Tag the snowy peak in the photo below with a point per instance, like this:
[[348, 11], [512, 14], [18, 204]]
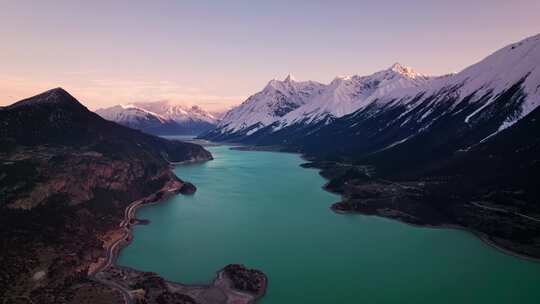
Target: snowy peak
[[398, 71], [289, 78], [177, 112], [345, 95], [289, 101], [160, 117], [286, 85], [130, 115], [405, 71], [278, 98]]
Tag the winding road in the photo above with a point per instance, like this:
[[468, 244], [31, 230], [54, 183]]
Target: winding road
[[112, 249], [110, 255]]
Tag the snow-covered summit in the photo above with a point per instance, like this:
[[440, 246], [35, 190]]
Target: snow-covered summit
[[406, 71], [288, 101], [161, 117], [177, 112], [345, 95], [130, 115], [505, 84], [278, 98]]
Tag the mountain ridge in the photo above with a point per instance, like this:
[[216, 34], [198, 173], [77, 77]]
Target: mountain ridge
[[161, 118], [477, 86]]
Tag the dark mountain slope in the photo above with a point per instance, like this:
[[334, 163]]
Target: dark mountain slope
[[66, 177], [436, 137], [491, 188], [508, 164], [56, 118]]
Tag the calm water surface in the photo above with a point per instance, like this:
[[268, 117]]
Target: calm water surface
[[263, 210]]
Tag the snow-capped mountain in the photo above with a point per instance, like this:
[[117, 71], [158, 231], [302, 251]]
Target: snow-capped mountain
[[389, 108], [267, 106], [137, 118], [345, 95], [428, 123], [177, 112], [288, 102], [169, 118]]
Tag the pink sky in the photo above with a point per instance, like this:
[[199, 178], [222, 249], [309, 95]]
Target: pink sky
[[215, 54]]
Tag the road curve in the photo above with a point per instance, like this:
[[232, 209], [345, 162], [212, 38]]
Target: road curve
[[110, 255]]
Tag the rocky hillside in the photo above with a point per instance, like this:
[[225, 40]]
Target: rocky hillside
[[66, 176]]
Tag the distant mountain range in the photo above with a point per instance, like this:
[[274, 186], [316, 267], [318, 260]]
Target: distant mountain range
[[464, 147], [286, 103], [161, 118]]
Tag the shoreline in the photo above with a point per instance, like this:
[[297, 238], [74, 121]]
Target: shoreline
[[480, 235], [221, 280], [115, 246]]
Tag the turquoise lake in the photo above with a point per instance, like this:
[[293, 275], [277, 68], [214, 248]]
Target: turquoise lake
[[263, 210]]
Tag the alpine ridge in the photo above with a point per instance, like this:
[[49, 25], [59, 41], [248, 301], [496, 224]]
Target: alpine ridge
[[161, 118], [289, 102], [277, 99], [501, 89]]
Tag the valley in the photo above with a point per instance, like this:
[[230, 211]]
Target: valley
[[247, 210]]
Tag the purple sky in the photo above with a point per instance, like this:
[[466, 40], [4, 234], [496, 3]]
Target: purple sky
[[217, 53]]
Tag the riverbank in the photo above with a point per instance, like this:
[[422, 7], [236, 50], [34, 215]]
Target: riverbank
[[222, 290]]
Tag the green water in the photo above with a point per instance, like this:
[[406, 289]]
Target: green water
[[263, 210]]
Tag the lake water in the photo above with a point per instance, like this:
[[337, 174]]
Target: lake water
[[262, 210]]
